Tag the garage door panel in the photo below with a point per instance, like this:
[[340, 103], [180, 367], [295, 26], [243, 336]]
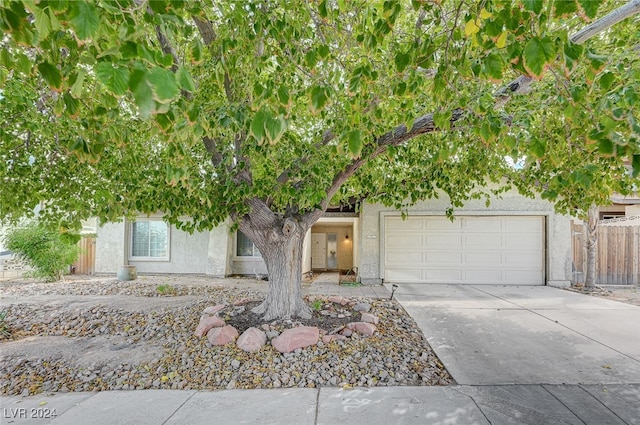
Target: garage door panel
[[404, 275], [401, 240], [524, 277], [476, 250], [398, 224], [481, 226], [440, 224], [482, 276], [493, 241], [404, 257], [522, 225], [523, 242], [474, 258], [444, 241], [443, 275], [443, 258], [528, 260]]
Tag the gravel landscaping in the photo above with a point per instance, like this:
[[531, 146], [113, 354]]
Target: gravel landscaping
[[101, 334]]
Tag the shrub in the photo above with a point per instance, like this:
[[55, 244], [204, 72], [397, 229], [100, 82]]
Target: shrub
[[47, 251], [5, 332]]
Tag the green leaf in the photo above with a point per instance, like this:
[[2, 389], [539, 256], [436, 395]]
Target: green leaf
[[537, 53], [318, 98], [534, 6], [354, 139], [185, 80], [115, 78], [590, 7], [275, 128], [493, 66], [163, 83], [564, 8], [442, 119], [538, 147], [76, 88], [42, 22], [196, 53], [142, 92], [572, 52], [51, 75], [84, 19], [258, 125], [283, 95], [597, 62], [71, 104], [635, 165], [323, 51], [311, 58], [583, 179], [605, 147], [606, 80], [322, 9], [402, 60]]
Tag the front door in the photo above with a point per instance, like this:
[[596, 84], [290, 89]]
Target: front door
[[319, 251]]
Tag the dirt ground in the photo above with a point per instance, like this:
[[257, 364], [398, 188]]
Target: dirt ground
[[627, 294]]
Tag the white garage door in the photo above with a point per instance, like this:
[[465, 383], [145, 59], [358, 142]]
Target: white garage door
[[474, 250]]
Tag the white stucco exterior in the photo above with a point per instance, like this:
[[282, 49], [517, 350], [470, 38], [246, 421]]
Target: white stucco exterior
[[557, 227], [214, 253], [187, 252]]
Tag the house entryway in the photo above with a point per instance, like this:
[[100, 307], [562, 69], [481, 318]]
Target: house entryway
[[332, 246]]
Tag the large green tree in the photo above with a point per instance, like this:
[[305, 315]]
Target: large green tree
[[269, 111]]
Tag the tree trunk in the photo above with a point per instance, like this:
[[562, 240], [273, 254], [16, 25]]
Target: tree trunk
[[282, 251], [591, 241]]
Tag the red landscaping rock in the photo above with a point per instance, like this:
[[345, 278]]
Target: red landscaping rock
[[206, 323], [252, 340], [338, 300], [330, 338], [369, 318], [223, 335], [346, 332], [242, 301], [363, 328], [292, 339], [213, 310]]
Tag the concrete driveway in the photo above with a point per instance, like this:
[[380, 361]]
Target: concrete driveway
[[493, 335]]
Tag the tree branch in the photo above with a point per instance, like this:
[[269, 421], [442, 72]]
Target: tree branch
[[521, 84], [607, 21], [395, 137], [425, 123], [327, 137], [166, 47], [206, 30]]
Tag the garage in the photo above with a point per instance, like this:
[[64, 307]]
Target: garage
[[470, 250]]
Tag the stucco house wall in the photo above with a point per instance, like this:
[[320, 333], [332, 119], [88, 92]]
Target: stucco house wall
[[558, 231], [188, 253], [110, 248], [214, 253]]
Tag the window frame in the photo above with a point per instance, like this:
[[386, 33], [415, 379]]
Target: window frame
[[164, 258], [255, 253]]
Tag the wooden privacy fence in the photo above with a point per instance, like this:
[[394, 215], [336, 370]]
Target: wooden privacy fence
[[617, 254], [85, 264]]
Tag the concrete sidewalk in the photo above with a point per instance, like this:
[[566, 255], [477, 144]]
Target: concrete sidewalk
[[515, 404], [496, 335]]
